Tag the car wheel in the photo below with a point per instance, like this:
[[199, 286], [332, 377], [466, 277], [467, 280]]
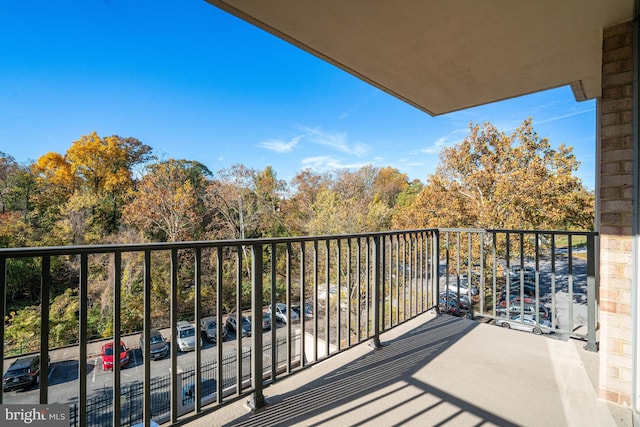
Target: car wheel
[[537, 331], [506, 325]]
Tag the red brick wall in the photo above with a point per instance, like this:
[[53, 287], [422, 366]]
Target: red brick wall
[[616, 213]]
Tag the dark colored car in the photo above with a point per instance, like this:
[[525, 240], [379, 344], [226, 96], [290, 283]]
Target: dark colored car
[[308, 310], [209, 329], [514, 292], [245, 326], [22, 373], [266, 321], [158, 347]]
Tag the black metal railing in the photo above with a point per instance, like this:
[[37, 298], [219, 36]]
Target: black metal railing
[[348, 289]]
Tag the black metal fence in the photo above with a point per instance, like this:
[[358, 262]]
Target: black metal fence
[[100, 405], [354, 287]]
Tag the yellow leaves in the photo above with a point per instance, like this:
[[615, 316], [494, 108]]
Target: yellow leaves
[[493, 180]]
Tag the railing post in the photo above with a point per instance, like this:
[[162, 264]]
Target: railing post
[[591, 345], [375, 340], [256, 327], [436, 267]]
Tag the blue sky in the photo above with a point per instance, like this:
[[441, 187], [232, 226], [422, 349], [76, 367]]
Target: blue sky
[[196, 83]]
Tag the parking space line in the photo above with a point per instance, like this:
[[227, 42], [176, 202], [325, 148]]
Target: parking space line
[[95, 368]]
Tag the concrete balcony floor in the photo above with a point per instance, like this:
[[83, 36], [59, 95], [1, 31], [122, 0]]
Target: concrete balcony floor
[[439, 371]]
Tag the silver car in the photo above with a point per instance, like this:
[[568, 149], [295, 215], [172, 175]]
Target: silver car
[[526, 323], [186, 333]]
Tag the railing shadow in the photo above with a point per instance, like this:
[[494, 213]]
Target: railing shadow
[[392, 368]]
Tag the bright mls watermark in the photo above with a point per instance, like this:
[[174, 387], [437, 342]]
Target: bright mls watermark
[[53, 415]]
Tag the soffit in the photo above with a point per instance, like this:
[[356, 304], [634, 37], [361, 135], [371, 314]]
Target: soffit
[[443, 56]]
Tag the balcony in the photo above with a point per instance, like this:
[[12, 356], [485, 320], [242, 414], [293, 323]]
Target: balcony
[[384, 289]]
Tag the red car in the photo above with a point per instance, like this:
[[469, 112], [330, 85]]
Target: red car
[[107, 355]]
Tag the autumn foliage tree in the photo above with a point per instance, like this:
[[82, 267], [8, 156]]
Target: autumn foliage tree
[[166, 204], [495, 180], [85, 188]]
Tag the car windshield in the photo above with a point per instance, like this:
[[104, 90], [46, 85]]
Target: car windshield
[[245, 322], [185, 333], [156, 339], [108, 351], [211, 325], [17, 371]]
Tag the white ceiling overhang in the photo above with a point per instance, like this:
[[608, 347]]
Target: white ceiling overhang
[[443, 56]]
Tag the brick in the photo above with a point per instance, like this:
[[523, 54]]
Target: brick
[[612, 68], [610, 218], [617, 79], [623, 28], [627, 167], [616, 105], [611, 118], [609, 306], [615, 230], [616, 206], [625, 400], [611, 193], [626, 117], [609, 395], [628, 193], [614, 92], [610, 295], [611, 168], [616, 180], [614, 42], [617, 54], [615, 143], [617, 155]]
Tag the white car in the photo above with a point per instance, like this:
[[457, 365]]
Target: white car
[[452, 286], [526, 323], [281, 313], [186, 333]]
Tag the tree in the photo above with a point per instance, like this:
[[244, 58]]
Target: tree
[[83, 191], [231, 202], [297, 209], [166, 202], [269, 190], [495, 180]]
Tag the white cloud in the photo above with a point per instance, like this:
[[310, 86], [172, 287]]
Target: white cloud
[[564, 116], [280, 146], [436, 146], [328, 163], [337, 140]]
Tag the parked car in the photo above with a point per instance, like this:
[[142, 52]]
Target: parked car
[[528, 272], [449, 305], [22, 373], [281, 313], [462, 302], [245, 326], [528, 306], [526, 323], [108, 351], [158, 346], [209, 329], [266, 321], [514, 292], [308, 310], [464, 287], [186, 333]]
